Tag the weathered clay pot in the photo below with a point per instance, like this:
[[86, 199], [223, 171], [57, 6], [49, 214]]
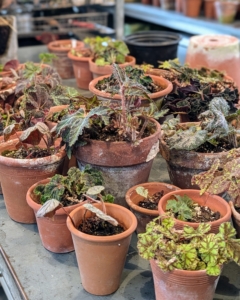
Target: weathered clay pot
[[209, 9], [235, 218], [81, 70], [183, 164], [226, 11], [107, 70], [182, 284], [191, 8], [160, 81], [143, 215], [214, 202], [122, 164], [63, 64], [101, 258], [53, 232], [17, 175]]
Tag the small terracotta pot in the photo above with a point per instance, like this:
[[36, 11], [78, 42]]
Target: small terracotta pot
[[122, 164], [182, 284], [63, 64], [143, 215], [107, 70], [235, 218], [53, 232], [191, 8], [81, 70], [101, 258], [226, 11], [17, 175], [160, 81], [214, 202], [209, 9]]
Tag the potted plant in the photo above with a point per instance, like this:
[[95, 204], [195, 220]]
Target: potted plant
[[80, 61], [223, 179], [5, 69], [52, 199], [107, 87], [191, 148], [101, 255], [61, 62], [191, 207], [143, 201], [107, 51], [186, 263], [120, 141], [32, 156]]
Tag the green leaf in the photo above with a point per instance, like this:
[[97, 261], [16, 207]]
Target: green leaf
[[142, 191], [208, 248]]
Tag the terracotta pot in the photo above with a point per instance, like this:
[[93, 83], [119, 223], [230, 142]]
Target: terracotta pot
[[143, 215], [214, 202], [107, 70], [101, 258], [191, 8], [81, 70], [178, 5], [156, 3], [183, 164], [122, 165], [167, 4], [63, 64], [219, 52], [160, 81], [182, 284], [226, 11], [235, 218], [209, 9], [53, 232], [17, 175]]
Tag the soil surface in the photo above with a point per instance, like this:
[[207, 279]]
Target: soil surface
[[99, 227], [152, 201], [209, 148], [29, 153]]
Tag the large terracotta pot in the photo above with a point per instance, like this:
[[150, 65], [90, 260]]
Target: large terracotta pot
[[63, 64], [107, 70], [214, 202], [160, 81], [101, 258], [183, 164], [53, 232], [182, 284], [143, 215], [81, 70], [122, 164], [17, 175]]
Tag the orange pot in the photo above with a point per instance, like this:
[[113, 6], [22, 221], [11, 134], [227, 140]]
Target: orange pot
[[107, 70], [160, 81], [191, 8], [182, 284], [101, 258], [81, 70], [53, 232], [63, 64], [209, 9], [214, 202], [143, 215], [17, 175]]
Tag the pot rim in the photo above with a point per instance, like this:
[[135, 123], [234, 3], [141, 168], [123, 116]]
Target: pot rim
[[76, 58], [52, 46]]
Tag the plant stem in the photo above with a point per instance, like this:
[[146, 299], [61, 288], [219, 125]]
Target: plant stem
[[143, 128]]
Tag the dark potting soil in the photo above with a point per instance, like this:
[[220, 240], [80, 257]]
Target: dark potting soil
[[99, 227], [27, 153], [209, 148], [152, 201]]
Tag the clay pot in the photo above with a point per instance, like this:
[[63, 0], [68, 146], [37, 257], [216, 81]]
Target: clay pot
[[219, 52], [167, 4], [191, 8], [209, 9], [81, 70], [53, 232], [63, 64], [182, 284], [183, 164], [160, 81], [235, 218], [143, 215], [17, 175], [122, 164], [226, 11], [214, 202], [178, 5], [107, 70], [101, 258]]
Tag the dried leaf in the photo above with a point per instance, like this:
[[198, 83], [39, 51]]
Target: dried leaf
[[49, 208], [100, 214]]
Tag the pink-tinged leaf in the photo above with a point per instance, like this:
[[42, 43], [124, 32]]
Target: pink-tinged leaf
[[10, 130], [31, 136], [49, 209], [234, 190], [232, 168], [12, 64], [219, 185], [41, 127], [205, 179], [8, 107]]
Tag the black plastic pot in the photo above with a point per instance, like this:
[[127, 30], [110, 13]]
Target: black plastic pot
[[153, 46]]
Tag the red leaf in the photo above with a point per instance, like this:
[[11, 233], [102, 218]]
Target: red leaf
[[11, 64]]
